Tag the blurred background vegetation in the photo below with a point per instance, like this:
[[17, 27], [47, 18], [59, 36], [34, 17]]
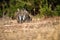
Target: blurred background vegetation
[[40, 8]]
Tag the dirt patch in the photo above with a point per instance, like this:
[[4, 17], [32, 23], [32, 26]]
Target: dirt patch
[[37, 29]]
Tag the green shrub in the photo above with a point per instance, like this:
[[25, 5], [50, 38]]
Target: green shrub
[[58, 10], [1, 14], [47, 12]]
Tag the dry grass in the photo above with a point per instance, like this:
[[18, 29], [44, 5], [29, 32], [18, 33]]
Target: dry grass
[[47, 29]]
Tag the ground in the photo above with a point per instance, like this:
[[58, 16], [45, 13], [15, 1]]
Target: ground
[[37, 29]]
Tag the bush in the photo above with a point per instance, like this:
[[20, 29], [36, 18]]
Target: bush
[[58, 10], [47, 12], [1, 14]]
